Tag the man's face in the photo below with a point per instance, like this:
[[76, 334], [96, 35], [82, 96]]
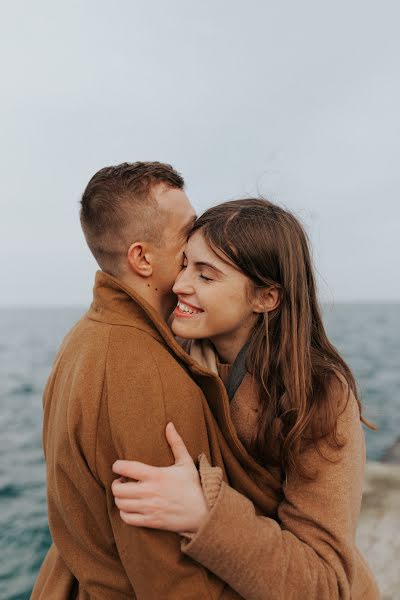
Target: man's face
[[179, 218]]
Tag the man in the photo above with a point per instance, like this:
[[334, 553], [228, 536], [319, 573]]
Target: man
[[117, 380]]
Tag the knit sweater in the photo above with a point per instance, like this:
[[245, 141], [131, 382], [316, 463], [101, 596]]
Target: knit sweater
[[308, 551]]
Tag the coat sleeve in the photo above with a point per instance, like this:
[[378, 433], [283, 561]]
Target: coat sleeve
[[309, 551], [54, 575], [139, 407]]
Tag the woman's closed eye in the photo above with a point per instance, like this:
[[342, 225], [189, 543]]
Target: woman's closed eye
[[184, 265]]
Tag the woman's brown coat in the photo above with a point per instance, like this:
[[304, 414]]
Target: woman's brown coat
[[308, 551]]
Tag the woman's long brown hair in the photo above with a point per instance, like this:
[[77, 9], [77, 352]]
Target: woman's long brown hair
[[290, 356]]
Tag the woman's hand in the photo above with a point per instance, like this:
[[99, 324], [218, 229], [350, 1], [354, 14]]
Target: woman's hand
[[168, 498]]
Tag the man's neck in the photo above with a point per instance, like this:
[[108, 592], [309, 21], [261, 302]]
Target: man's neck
[[148, 291]]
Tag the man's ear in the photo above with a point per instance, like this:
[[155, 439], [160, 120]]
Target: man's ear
[[266, 299], [140, 259]]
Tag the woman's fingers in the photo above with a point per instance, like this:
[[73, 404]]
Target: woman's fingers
[[130, 489], [131, 506], [134, 469], [139, 520]]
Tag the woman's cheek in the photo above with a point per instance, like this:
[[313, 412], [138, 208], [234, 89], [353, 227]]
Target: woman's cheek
[[221, 320]]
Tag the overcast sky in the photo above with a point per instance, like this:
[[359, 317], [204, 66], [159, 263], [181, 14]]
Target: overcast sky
[[297, 100]]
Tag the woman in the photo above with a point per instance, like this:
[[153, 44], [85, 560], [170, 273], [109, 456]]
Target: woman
[[248, 309]]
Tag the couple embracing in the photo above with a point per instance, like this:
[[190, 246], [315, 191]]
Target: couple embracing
[[203, 438]]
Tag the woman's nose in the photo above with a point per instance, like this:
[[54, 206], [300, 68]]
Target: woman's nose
[[183, 283]]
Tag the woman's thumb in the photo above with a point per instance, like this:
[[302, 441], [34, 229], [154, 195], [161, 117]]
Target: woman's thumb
[[177, 444]]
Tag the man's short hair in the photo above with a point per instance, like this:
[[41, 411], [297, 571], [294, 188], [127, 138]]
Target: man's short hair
[[118, 208]]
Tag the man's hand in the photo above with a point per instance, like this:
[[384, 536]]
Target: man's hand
[[169, 498]]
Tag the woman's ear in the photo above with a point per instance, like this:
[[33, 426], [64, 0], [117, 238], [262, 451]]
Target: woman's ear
[[139, 259], [266, 299]]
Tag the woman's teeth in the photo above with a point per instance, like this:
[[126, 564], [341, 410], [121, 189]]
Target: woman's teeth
[[186, 309]]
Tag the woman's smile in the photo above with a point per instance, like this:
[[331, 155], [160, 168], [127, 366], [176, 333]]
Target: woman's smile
[[184, 309]]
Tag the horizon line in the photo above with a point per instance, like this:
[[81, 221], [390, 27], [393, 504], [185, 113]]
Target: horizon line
[[86, 306]]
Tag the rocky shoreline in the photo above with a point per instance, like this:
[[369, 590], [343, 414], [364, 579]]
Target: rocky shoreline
[[378, 535]]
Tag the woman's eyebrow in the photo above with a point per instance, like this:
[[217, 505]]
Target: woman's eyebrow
[[203, 263]]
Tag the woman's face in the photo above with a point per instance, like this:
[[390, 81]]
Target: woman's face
[[213, 297]]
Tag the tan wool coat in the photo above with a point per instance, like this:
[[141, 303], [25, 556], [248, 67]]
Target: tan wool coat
[[309, 551], [119, 377]]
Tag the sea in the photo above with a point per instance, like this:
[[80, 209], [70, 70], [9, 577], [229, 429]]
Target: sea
[[367, 335]]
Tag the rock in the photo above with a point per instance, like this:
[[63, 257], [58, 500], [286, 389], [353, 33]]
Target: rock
[[378, 533]]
